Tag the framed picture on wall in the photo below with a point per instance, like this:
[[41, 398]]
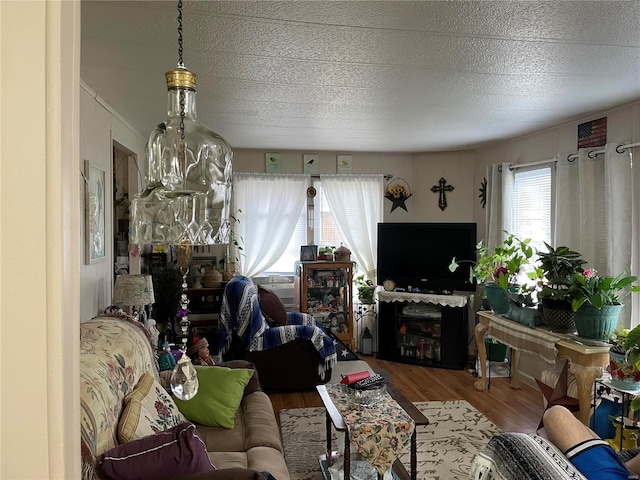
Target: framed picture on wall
[[308, 253], [94, 178]]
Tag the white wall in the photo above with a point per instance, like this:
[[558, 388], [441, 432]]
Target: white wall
[[39, 240], [420, 171], [99, 128]]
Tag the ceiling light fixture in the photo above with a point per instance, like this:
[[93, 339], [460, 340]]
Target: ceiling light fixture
[[188, 173]]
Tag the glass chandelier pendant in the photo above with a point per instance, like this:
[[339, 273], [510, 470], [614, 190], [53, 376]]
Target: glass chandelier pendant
[[188, 173], [184, 378]]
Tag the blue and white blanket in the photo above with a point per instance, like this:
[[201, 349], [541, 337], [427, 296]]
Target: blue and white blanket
[[241, 313]]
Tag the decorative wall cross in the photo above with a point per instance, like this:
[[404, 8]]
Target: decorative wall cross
[[442, 188]]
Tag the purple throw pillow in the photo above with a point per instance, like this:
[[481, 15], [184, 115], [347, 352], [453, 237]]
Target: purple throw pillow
[[164, 455]]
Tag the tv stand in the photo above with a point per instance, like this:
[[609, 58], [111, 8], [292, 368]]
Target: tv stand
[[423, 329]]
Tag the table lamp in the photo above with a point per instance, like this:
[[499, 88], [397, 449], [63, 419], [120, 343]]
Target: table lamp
[[135, 291]]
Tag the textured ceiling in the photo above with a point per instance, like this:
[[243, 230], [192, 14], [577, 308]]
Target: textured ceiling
[[367, 75]]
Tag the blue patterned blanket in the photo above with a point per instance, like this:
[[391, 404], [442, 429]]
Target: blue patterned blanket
[[241, 313]]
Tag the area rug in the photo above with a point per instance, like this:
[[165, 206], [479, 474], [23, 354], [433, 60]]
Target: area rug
[[344, 352], [445, 447]]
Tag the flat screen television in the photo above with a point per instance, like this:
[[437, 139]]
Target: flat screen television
[[419, 254]]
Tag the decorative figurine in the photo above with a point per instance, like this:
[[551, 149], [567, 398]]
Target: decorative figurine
[[166, 360], [199, 353]]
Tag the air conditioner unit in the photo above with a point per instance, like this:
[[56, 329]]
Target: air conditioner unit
[[283, 287]]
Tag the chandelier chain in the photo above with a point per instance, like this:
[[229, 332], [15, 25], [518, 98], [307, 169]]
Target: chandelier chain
[[180, 65], [180, 60]]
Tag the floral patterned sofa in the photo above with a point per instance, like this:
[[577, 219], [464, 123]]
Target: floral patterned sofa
[[116, 363]]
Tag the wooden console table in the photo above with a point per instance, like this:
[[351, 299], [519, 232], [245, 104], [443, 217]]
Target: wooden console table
[[587, 362]]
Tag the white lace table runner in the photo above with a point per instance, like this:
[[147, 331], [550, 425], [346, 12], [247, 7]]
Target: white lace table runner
[[445, 300]]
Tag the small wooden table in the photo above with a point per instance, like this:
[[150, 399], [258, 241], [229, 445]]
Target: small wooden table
[[587, 362], [334, 418]]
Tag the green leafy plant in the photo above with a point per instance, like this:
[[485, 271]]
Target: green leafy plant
[[587, 288], [236, 243], [627, 342], [554, 270], [500, 265], [366, 289]]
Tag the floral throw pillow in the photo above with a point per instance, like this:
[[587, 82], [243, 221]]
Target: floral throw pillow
[[148, 409]]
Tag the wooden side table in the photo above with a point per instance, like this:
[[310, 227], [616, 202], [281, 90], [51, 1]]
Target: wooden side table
[[334, 418]]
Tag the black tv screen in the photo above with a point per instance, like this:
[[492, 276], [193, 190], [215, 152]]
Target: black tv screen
[[419, 254]]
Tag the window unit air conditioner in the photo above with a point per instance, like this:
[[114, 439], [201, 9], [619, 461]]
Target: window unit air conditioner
[[282, 286]]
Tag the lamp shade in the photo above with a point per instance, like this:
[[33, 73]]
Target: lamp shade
[[133, 290]]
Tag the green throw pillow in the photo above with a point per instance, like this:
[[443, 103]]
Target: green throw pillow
[[218, 397]]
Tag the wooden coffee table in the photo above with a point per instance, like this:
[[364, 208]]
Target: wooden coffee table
[[334, 418]]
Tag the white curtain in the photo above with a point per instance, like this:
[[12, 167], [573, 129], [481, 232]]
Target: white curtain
[[500, 179], [356, 202], [271, 206], [594, 206]]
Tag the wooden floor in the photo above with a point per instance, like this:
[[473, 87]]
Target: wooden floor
[[511, 410]]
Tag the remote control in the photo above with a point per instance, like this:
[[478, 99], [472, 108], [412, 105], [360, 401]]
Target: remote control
[[373, 381]]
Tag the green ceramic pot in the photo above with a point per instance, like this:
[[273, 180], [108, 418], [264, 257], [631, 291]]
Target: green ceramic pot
[[497, 297], [597, 324]]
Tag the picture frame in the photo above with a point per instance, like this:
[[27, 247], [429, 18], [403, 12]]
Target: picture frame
[[344, 163], [308, 253], [197, 268], [95, 183], [311, 163], [272, 162]]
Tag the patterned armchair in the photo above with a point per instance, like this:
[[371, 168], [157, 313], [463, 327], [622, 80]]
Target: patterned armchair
[[297, 355]]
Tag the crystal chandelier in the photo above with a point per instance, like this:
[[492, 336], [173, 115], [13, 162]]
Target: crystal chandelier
[[188, 172], [187, 194]]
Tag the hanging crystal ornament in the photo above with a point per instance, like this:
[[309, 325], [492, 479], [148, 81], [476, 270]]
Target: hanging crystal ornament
[[184, 378], [188, 172]]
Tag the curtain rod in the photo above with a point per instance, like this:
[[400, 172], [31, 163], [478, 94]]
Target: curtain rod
[[593, 153]]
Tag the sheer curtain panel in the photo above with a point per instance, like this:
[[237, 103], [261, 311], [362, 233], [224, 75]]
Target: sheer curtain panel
[[356, 202], [594, 206], [500, 180], [271, 206]]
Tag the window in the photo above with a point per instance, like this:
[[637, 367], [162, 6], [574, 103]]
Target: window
[[288, 259], [532, 208], [324, 232]]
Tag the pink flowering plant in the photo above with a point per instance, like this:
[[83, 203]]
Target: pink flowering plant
[[501, 265], [587, 288]]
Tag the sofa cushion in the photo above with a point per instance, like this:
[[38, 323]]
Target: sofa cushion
[[219, 396], [164, 455], [272, 307], [255, 426], [114, 353], [254, 383], [148, 409]]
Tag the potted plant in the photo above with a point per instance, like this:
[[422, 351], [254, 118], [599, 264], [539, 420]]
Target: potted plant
[[498, 269], [596, 301], [624, 358], [553, 272], [366, 289]]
